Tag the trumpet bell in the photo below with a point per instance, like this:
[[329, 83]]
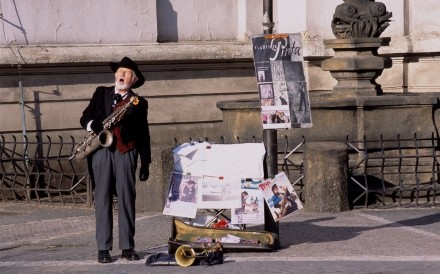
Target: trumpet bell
[[185, 255]]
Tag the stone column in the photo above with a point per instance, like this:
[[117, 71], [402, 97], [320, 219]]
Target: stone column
[[326, 177]]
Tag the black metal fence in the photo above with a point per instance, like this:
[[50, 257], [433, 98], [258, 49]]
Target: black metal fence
[[383, 172], [41, 169], [396, 172]]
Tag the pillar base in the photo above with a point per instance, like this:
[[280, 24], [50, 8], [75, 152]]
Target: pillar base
[[326, 177]]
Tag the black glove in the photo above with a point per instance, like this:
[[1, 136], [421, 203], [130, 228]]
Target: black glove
[[96, 126], [144, 173]]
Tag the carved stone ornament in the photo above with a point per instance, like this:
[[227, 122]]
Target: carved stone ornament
[[360, 19]]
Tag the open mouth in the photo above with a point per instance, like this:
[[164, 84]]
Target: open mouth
[[121, 80]]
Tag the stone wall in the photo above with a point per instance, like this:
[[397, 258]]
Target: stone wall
[[182, 94], [59, 52]]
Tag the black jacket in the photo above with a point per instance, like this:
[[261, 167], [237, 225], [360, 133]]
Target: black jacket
[[134, 124]]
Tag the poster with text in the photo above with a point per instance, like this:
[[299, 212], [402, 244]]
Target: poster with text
[[281, 81], [252, 204], [280, 196], [182, 195]]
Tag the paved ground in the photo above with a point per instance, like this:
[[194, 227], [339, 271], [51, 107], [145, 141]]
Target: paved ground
[[52, 239]]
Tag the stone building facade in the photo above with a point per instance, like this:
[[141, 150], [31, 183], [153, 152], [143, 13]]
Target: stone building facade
[[193, 55]]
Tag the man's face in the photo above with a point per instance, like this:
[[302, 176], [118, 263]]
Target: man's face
[[124, 79]]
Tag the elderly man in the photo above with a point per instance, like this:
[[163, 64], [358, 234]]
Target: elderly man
[[114, 167]]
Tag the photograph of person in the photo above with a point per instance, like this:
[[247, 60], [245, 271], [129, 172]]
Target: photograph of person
[[275, 117], [261, 76], [267, 102], [283, 201], [280, 196], [188, 192], [182, 196], [266, 91], [281, 117], [252, 204]]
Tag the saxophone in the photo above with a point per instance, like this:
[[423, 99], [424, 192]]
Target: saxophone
[[92, 142]]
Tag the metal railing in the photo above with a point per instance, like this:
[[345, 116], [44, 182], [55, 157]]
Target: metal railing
[[384, 171], [292, 163], [41, 169], [395, 171]]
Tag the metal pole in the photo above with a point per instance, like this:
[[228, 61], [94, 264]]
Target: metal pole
[[267, 16], [25, 141], [270, 135], [270, 142], [23, 117]]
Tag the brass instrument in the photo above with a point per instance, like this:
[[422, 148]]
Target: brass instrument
[[92, 142], [185, 234], [185, 255]]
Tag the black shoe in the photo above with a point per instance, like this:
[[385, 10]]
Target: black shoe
[[130, 255], [104, 257]]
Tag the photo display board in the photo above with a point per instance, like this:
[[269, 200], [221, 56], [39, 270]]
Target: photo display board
[[227, 176]]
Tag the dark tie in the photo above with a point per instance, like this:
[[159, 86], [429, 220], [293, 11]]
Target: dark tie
[[116, 98]]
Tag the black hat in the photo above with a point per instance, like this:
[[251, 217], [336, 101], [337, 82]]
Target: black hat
[[128, 63]]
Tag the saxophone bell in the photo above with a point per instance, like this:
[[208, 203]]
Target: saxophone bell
[[105, 138], [92, 143]]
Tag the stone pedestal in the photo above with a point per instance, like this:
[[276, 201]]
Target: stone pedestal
[[326, 175], [356, 65], [151, 195]]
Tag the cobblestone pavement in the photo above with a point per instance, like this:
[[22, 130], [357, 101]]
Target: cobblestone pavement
[[39, 238]]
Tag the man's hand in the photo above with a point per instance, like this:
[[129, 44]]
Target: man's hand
[[144, 173], [96, 126]]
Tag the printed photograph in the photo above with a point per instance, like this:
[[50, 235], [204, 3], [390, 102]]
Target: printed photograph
[[261, 76], [266, 91], [252, 204], [279, 83], [275, 117], [299, 105], [267, 102], [280, 196], [182, 196], [219, 193]]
